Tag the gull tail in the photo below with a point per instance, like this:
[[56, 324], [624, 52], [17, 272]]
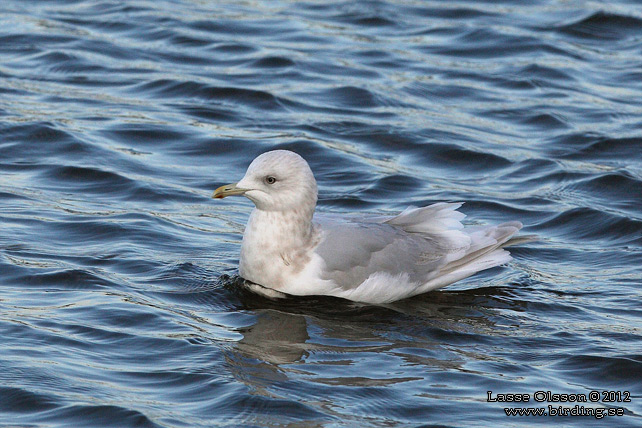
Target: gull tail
[[468, 250]]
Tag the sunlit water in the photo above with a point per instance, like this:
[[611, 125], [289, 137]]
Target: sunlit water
[[120, 303]]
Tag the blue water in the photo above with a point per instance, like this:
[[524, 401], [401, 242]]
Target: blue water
[[120, 302]]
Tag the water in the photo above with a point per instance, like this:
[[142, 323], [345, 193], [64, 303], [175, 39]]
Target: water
[[120, 303]]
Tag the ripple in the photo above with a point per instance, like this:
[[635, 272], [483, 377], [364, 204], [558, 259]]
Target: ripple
[[453, 155], [168, 88], [596, 146], [604, 26], [451, 11], [211, 113], [98, 178], [273, 62], [43, 132], [150, 135], [481, 43], [73, 279], [605, 370], [349, 96], [589, 224], [101, 416], [620, 189], [18, 400], [235, 48]]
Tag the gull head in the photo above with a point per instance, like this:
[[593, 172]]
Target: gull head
[[279, 180]]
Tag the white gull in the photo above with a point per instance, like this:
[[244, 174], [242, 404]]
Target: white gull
[[288, 249]]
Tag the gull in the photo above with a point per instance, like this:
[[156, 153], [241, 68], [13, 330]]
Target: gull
[[287, 249]]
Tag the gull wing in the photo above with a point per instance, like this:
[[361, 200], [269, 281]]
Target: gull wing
[[426, 246]]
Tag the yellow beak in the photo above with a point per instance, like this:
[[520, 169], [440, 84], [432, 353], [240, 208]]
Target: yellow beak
[[228, 190]]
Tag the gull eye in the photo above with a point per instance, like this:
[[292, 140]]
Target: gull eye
[[270, 180]]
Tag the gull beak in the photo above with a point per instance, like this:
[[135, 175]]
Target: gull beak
[[228, 190]]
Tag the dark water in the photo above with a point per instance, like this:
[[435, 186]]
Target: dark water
[[119, 300]]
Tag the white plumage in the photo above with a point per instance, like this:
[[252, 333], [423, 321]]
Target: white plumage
[[288, 249]]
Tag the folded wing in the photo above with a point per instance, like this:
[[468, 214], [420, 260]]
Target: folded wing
[[428, 247]]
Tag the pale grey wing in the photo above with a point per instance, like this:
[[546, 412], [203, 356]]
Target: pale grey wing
[[428, 244], [354, 251]]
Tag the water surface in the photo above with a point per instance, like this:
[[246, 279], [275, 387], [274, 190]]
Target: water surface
[[120, 303]]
